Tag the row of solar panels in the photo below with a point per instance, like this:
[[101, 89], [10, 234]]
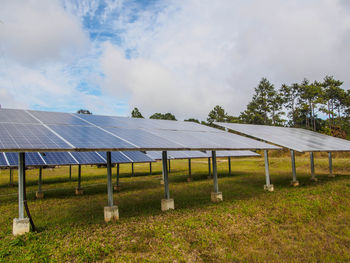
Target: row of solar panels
[[156, 155], [72, 158], [29, 131]]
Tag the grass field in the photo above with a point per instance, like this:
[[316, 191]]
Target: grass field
[[309, 223]]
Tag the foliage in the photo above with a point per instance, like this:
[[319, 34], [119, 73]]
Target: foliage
[[136, 113], [83, 111], [218, 114], [192, 120], [166, 116]]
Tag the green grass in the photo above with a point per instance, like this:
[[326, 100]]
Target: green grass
[[309, 223]]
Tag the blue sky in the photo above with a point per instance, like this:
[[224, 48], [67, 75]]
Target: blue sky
[[179, 56]]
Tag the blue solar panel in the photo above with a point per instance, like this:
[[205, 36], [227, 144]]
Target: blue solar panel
[[24, 136], [57, 118], [31, 158], [88, 158], [16, 116], [138, 157], [142, 138], [3, 160], [89, 137], [117, 157], [12, 158], [58, 158]]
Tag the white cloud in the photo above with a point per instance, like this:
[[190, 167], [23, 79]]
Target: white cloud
[[38, 31], [192, 55]]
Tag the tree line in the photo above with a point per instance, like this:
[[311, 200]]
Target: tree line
[[322, 106]]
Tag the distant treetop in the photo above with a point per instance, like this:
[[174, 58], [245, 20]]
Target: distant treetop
[[161, 116], [192, 120], [136, 113], [82, 111]]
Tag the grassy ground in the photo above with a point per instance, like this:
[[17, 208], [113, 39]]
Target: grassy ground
[[309, 223]]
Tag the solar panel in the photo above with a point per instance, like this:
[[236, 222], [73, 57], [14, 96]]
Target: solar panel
[[47, 131], [138, 157], [28, 137], [89, 137], [32, 159], [57, 118], [16, 116], [235, 154], [88, 158], [292, 138], [157, 155], [3, 161], [142, 139], [58, 158]]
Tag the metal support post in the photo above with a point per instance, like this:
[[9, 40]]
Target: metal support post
[[79, 176], [150, 167], [166, 203], [165, 174], [70, 173], [169, 166], [109, 179], [21, 225], [216, 196], [330, 165], [40, 179], [21, 176], [312, 167], [229, 165], [268, 186], [78, 189], [294, 173], [111, 212], [11, 177], [189, 179], [132, 169], [209, 168]]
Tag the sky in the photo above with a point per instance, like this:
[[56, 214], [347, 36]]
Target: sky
[[180, 56]]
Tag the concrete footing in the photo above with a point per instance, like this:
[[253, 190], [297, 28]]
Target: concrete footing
[[39, 195], [294, 183], [167, 204], [313, 179], [20, 226], [116, 188], [111, 213], [331, 175], [79, 191], [189, 179], [216, 197], [269, 187]]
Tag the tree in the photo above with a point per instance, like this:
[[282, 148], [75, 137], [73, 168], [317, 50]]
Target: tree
[[136, 113], [217, 114], [332, 94], [289, 96], [265, 102], [192, 120], [82, 111], [311, 94], [166, 116]]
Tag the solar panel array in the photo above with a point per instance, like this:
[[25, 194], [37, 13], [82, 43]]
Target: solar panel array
[[156, 155], [297, 139], [10, 159], [29, 131]]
